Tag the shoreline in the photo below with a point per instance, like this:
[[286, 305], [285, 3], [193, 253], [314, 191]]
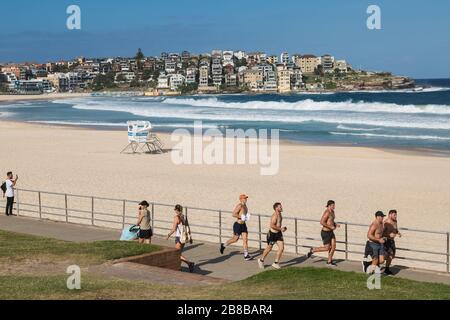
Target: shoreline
[[55, 96], [42, 97], [394, 150]]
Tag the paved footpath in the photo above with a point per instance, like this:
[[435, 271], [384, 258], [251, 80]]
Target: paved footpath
[[229, 266]]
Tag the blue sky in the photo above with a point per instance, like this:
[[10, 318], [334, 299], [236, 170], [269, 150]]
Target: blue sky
[[413, 41]]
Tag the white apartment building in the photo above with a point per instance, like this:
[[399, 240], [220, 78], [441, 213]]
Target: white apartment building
[[163, 81], [284, 79], [171, 66], [228, 58], [284, 58], [327, 62], [216, 70], [341, 65], [176, 80], [240, 54], [204, 76], [270, 81], [191, 75]]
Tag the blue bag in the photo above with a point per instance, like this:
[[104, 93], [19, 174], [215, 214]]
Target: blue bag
[[130, 233]]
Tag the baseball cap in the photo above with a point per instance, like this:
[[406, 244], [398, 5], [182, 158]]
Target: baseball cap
[[243, 196], [380, 214]]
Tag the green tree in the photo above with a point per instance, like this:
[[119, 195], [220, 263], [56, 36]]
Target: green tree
[[188, 88], [104, 81], [147, 74], [139, 57], [3, 87], [121, 78]]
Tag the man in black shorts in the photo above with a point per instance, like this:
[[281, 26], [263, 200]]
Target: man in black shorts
[[328, 238], [275, 235], [390, 232], [241, 214]]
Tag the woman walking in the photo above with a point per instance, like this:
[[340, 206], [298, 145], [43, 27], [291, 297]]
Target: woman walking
[[182, 234], [144, 223]]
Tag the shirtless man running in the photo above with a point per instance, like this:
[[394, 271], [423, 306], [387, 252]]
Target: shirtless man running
[[240, 212], [275, 235], [390, 232], [376, 243], [327, 233]]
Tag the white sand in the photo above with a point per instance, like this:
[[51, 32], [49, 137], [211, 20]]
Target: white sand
[[361, 180], [49, 96]]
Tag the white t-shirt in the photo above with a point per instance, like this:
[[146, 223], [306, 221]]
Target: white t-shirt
[[9, 189]]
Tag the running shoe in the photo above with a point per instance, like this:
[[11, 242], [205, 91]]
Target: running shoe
[[331, 264], [261, 264], [191, 267], [276, 265], [248, 257], [310, 253], [222, 248], [365, 265]]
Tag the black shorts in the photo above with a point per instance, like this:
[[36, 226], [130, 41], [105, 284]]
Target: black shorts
[[327, 236], [368, 250], [389, 247], [274, 237], [239, 229], [145, 234]]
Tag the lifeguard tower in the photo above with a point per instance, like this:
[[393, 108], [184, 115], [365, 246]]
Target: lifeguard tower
[[142, 139]]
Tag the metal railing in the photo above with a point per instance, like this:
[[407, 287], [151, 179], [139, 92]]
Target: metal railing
[[216, 224]]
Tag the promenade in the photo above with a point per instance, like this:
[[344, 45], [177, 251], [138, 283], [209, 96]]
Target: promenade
[[230, 266]]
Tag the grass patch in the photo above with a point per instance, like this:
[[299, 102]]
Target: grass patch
[[287, 284], [15, 247], [46, 282]]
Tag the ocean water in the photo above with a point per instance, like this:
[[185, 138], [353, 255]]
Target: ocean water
[[398, 119]]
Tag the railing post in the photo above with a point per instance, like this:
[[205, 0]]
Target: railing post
[[296, 236], [67, 212], [220, 226], [17, 202], [153, 217], [448, 252], [123, 214], [346, 241], [259, 232], [92, 210], [40, 205]]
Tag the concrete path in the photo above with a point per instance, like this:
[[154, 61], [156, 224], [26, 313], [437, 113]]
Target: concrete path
[[209, 261]]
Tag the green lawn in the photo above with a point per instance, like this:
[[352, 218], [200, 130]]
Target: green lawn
[[17, 247], [289, 283]]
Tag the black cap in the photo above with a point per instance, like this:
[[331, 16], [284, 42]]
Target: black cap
[[330, 202], [144, 203], [380, 214]]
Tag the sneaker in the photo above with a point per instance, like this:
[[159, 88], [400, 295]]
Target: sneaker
[[248, 257], [310, 253], [222, 248], [331, 264], [365, 265], [191, 267], [276, 265], [261, 264]]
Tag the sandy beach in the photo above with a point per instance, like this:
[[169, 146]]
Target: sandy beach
[[49, 96], [361, 180]]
